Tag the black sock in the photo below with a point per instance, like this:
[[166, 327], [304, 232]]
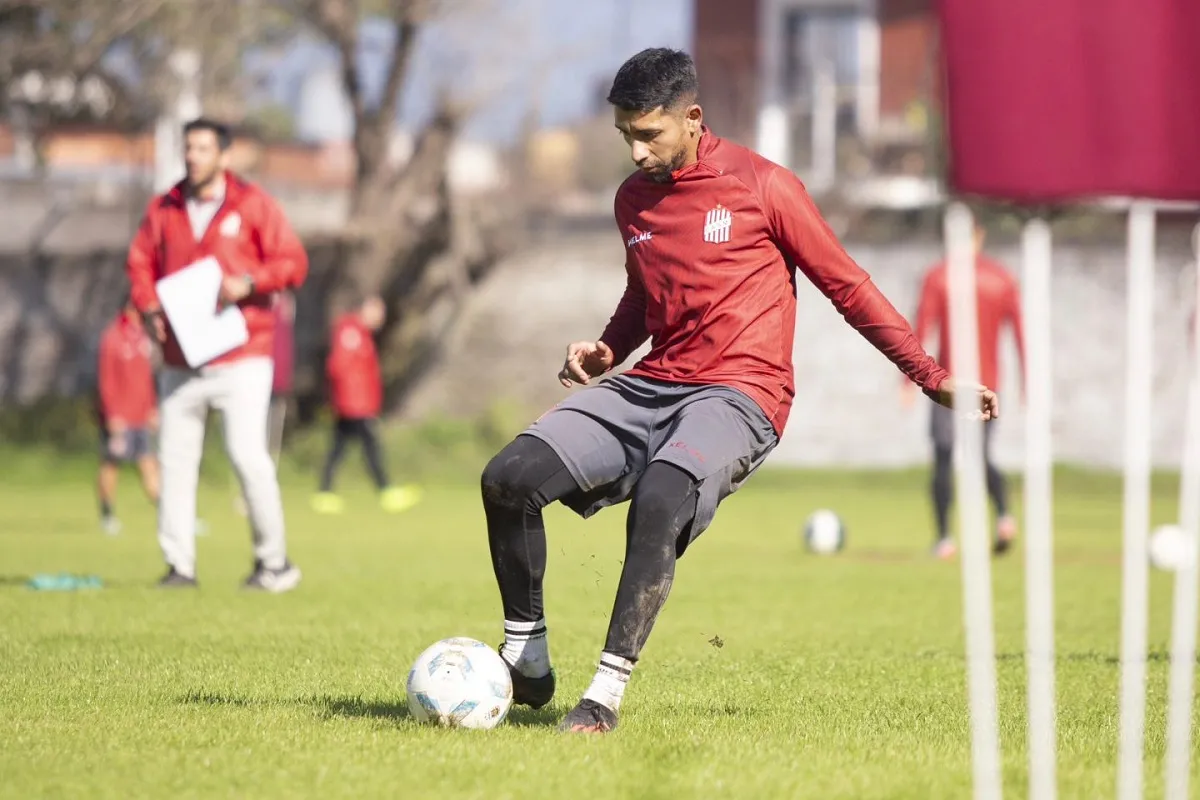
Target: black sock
[[943, 488], [106, 509], [521, 480], [663, 506]]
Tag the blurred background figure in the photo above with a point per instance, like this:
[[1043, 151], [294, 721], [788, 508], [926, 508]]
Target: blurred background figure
[[356, 393], [998, 298], [128, 410], [284, 361]]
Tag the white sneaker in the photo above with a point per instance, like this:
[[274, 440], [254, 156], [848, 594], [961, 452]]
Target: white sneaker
[[275, 581], [111, 525]]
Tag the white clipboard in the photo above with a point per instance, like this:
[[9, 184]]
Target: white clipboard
[[189, 301]]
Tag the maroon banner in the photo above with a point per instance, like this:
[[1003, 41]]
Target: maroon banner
[[1059, 100]]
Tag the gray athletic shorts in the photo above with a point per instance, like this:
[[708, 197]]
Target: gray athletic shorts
[[608, 434], [137, 446], [941, 429]]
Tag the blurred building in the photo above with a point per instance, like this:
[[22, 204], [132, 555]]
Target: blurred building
[[840, 91]]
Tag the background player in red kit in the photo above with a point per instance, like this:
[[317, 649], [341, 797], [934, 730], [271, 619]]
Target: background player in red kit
[[998, 300], [713, 235], [128, 408], [356, 393]]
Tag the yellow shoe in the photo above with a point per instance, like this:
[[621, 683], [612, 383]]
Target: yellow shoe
[[399, 498], [328, 503]]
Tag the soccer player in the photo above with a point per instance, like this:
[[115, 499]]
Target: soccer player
[[713, 236], [998, 298], [213, 212], [356, 392], [128, 410]]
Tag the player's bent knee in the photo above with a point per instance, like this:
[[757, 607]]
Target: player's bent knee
[[514, 475]]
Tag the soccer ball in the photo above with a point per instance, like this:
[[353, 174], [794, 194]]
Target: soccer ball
[[824, 532], [1169, 548], [460, 683]]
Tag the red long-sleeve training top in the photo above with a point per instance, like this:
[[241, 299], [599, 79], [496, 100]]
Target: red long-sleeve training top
[[711, 260], [997, 302], [248, 236], [125, 375]]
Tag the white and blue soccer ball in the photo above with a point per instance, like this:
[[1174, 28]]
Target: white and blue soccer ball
[[824, 532], [460, 683]]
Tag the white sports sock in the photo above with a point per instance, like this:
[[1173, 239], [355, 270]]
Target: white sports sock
[[612, 676], [526, 648]]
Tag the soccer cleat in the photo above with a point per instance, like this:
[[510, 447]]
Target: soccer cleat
[[275, 581], [111, 525], [527, 691], [945, 549], [176, 580], [589, 717], [1006, 533], [396, 499], [328, 503]]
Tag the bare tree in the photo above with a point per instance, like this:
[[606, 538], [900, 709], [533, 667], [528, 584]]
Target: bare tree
[[407, 239]]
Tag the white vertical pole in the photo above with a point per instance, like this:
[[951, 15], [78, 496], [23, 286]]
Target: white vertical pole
[[1139, 330], [824, 126], [976, 550], [1039, 525], [1184, 615], [168, 136]]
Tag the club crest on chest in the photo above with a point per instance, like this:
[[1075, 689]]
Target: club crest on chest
[[718, 225]]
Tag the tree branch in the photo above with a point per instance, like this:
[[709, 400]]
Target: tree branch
[[409, 15]]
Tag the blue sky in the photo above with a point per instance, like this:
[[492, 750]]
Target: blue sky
[[503, 56]]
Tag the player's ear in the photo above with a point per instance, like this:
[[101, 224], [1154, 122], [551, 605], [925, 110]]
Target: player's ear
[[693, 119]]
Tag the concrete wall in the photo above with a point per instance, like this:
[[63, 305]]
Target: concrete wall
[[564, 286], [847, 409]]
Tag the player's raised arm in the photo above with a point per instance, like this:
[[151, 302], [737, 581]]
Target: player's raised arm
[[804, 237]]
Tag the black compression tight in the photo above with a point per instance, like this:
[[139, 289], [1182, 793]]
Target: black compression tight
[[942, 487], [524, 478]]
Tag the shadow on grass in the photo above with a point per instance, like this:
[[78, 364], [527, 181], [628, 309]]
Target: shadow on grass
[[13, 580], [357, 707], [523, 717], [198, 698]]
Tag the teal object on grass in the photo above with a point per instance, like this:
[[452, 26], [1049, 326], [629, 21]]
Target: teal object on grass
[[63, 582]]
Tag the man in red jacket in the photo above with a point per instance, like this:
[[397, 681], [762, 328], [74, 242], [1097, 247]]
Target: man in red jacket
[[713, 235], [128, 410], [356, 392], [214, 213], [998, 304]]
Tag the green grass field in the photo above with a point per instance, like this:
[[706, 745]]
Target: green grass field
[[771, 673]]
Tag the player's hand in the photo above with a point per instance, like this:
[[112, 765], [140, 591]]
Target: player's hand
[[234, 289], [585, 360], [116, 444], [988, 402], [153, 421], [157, 326]]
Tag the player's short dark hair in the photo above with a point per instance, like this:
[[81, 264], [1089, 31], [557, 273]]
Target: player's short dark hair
[[218, 129], [657, 76]]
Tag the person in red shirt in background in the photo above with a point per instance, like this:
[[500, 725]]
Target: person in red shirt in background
[[356, 393], [214, 213], [998, 301], [128, 410]]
